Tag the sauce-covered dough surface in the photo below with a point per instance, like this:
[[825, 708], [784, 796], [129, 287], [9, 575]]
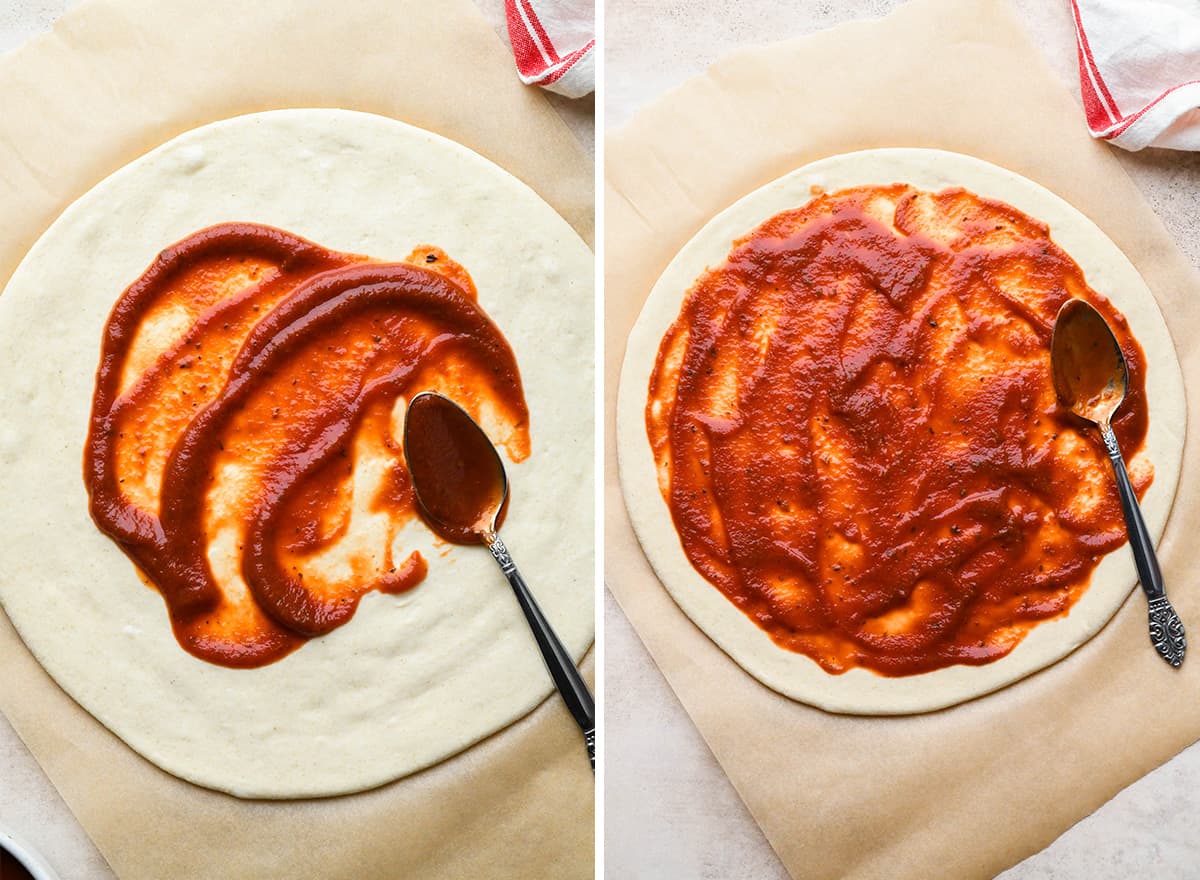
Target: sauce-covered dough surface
[[839, 444], [242, 448], [858, 436]]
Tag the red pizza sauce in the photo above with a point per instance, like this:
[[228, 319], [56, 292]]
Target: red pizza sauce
[[243, 445], [857, 434]]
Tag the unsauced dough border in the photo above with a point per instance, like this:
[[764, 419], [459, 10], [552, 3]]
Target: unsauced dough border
[[413, 678], [859, 691]]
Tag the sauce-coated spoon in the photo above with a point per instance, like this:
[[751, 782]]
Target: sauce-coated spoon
[[1091, 379], [462, 491]]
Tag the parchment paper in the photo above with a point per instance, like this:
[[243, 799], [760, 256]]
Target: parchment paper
[[118, 77], [968, 791]]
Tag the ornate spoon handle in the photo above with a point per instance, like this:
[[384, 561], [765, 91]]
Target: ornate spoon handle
[[1166, 629], [562, 669]]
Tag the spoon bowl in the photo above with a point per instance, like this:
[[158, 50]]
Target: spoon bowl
[[458, 476], [1090, 375]]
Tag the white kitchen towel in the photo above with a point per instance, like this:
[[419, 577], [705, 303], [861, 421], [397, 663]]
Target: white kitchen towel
[[1139, 71], [554, 43]]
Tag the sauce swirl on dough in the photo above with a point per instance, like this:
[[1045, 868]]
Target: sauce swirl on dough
[[857, 434], [242, 447]]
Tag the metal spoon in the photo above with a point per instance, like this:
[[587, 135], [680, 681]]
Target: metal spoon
[[1091, 379], [462, 490]]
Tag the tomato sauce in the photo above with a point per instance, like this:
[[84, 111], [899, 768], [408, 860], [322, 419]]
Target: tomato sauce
[[857, 434], [243, 443]]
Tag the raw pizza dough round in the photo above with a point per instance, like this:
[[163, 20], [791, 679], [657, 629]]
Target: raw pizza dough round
[[412, 678], [860, 691]]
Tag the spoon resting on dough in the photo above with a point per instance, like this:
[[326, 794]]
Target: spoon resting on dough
[[462, 493], [1091, 379]]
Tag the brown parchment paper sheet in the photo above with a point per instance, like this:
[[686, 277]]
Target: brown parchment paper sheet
[[118, 77], [968, 791]]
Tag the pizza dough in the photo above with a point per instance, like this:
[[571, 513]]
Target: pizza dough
[[413, 678], [858, 690]]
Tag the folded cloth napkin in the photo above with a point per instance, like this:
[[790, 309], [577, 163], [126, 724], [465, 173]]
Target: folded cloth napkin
[[1139, 71], [554, 44]]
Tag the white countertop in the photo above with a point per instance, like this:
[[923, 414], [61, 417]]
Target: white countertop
[[30, 807], [670, 812]]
